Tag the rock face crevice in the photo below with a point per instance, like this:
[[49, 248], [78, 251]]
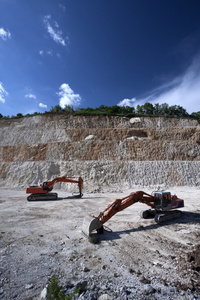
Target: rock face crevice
[[105, 150]]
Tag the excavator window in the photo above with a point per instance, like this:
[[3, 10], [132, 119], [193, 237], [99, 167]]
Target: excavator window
[[157, 199], [166, 200]]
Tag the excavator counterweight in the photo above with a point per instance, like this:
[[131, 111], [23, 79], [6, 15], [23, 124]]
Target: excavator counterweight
[[162, 208], [43, 192]]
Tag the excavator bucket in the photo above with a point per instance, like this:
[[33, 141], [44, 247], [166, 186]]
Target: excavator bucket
[[90, 224]]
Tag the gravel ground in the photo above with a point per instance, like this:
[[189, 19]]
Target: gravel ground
[[134, 258]]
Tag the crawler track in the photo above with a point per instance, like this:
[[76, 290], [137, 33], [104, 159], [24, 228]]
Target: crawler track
[[41, 197]]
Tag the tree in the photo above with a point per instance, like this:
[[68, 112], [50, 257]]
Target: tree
[[115, 109], [56, 108], [68, 108], [164, 109], [140, 109], [177, 111], [157, 109], [19, 115], [196, 115], [148, 108], [124, 110], [102, 108]]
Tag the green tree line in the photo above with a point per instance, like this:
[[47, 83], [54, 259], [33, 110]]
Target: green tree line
[[147, 109]]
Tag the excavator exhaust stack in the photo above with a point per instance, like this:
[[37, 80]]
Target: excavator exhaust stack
[[90, 224]]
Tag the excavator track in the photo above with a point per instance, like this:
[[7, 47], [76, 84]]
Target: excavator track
[[148, 213], [166, 216], [42, 197]]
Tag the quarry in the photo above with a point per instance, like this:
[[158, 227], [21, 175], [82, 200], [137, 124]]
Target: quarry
[[115, 156]]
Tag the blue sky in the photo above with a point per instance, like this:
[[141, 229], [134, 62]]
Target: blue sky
[[88, 53]]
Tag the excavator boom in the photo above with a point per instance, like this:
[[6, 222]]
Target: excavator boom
[[120, 204]]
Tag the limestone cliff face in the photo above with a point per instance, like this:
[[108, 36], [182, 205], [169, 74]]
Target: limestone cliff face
[[104, 150]]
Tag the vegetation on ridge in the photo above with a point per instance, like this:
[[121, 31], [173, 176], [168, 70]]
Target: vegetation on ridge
[[147, 109]]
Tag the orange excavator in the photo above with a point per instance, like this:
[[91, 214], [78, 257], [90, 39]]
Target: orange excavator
[[42, 192], [162, 208]]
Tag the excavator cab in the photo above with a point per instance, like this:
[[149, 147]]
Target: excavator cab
[[162, 201]]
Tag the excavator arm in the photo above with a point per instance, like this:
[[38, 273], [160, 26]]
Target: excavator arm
[[48, 186]]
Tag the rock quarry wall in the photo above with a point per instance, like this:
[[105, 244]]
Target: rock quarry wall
[[106, 151]]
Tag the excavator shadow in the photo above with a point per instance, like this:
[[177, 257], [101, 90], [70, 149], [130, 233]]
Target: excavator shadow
[[186, 218], [78, 197], [57, 199], [69, 197], [46, 200]]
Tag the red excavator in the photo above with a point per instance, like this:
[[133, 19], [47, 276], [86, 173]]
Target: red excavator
[[43, 192], [161, 204]]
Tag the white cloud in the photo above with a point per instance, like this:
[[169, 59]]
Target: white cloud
[[183, 90], [67, 96], [127, 102], [42, 105], [54, 31], [29, 95], [50, 52], [4, 34], [3, 93], [62, 7]]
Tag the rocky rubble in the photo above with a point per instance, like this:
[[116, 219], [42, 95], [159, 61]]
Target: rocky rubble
[[92, 288]]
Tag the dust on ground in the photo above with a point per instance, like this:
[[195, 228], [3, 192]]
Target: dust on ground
[[40, 238]]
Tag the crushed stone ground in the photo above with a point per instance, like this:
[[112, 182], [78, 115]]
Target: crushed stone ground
[[41, 238]]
